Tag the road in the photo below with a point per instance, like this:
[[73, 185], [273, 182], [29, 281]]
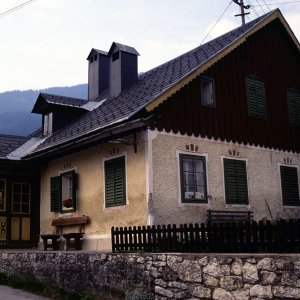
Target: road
[[8, 293]]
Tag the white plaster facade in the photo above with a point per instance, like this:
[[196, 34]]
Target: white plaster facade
[[263, 176], [89, 166]]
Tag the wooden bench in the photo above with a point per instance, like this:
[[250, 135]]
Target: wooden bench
[[218, 216], [73, 239]]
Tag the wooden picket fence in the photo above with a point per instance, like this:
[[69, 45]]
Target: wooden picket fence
[[245, 237]]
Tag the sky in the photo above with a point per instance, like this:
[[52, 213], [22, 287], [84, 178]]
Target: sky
[[46, 43]]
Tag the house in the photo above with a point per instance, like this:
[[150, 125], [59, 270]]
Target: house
[[215, 128]]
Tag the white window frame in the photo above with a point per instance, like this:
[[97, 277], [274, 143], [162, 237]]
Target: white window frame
[[180, 203], [48, 123], [208, 89]]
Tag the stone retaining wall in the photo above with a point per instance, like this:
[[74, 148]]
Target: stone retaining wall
[[162, 276]]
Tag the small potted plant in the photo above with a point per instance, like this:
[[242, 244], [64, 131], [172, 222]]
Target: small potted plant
[[68, 203]]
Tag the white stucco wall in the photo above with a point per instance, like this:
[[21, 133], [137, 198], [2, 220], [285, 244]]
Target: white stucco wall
[[263, 172], [89, 165]]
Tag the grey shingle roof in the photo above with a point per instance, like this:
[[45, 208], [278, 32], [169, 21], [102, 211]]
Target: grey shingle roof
[[9, 143], [58, 100], [149, 86]]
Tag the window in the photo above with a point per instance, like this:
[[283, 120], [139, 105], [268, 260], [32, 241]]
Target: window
[[115, 55], [255, 89], [235, 177], [294, 107], [2, 194], [193, 179], [48, 122], [289, 185], [208, 92], [63, 192], [115, 183], [21, 198]]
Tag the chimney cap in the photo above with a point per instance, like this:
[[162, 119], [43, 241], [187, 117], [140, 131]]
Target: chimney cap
[[93, 51], [123, 48]]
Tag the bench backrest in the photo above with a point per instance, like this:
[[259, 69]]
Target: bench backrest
[[229, 216], [71, 221]]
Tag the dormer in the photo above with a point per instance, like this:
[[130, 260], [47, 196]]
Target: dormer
[[57, 111], [123, 73]]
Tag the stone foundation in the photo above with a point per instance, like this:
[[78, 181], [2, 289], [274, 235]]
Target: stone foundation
[[161, 276]]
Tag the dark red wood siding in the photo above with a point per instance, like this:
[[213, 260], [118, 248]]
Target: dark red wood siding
[[271, 55]]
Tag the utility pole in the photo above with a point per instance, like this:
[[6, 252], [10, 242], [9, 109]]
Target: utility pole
[[243, 7]]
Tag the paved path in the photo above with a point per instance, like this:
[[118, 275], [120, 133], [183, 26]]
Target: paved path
[[8, 293]]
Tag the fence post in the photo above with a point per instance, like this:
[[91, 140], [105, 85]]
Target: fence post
[[139, 235], [113, 240]]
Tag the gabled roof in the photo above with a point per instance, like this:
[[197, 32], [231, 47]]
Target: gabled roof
[[9, 143], [123, 48], [44, 100], [156, 85], [93, 51]]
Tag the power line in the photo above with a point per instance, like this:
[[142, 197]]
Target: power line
[[266, 5], [253, 8], [10, 11], [260, 6], [289, 2], [216, 23]]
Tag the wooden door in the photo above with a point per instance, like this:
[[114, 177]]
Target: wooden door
[[20, 220]]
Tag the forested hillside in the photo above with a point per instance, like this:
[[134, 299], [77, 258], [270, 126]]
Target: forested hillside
[[15, 108]]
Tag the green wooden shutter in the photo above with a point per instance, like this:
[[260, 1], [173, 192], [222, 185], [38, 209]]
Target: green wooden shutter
[[115, 185], [294, 107], [289, 185], [55, 194], [236, 188], [256, 97]]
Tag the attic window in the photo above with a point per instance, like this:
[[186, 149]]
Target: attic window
[[115, 56], [255, 89], [208, 92], [91, 59], [48, 123], [95, 57], [294, 107]]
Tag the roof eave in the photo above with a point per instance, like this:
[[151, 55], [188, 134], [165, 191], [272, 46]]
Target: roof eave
[[90, 138]]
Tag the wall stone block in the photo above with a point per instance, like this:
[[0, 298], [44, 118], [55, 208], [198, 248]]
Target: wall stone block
[[221, 294], [250, 273], [283, 292], [210, 281], [201, 292], [261, 291], [231, 283], [266, 264], [268, 277], [237, 267], [213, 268]]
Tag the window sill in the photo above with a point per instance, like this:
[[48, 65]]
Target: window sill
[[116, 205], [193, 202]]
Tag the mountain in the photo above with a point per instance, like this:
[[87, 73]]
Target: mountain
[[15, 108]]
